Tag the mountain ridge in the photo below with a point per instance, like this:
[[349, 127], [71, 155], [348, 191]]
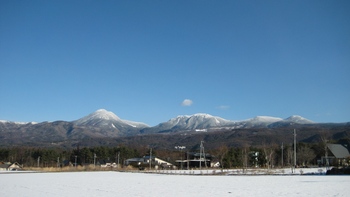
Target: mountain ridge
[[104, 127], [194, 121]]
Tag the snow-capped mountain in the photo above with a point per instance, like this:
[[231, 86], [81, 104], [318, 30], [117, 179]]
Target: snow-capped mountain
[[205, 121], [295, 119], [189, 122], [258, 121], [97, 117], [104, 121], [104, 127], [298, 119], [198, 121], [107, 119]]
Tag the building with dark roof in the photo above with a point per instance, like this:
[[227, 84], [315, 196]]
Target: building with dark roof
[[339, 155], [10, 166]]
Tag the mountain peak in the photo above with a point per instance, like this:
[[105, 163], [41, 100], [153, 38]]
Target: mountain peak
[[298, 119], [99, 115], [104, 114], [202, 115], [107, 119], [190, 122]]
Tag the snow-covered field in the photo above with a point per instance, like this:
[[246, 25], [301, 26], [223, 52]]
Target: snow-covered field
[[150, 184]]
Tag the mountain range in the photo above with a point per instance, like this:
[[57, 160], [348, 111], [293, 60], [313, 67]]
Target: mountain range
[[103, 124]]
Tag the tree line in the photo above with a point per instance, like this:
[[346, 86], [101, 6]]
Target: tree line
[[269, 156], [263, 156], [53, 157]]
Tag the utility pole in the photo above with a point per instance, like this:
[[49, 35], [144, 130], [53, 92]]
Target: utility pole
[[188, 162], [150, 159], [200, 156], [295, 149], [94, 160], [118, 159], [75, 161], [181, 148], [201, 153]]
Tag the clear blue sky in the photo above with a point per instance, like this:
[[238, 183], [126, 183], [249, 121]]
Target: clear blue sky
[[61, 60]]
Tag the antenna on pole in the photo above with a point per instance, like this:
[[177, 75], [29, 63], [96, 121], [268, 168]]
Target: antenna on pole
[[181, 148]]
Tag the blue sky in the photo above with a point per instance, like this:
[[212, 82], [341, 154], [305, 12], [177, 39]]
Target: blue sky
[[61, 60]]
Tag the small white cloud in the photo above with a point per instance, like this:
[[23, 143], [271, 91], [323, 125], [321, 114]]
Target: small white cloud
[[223, 107], [187, 102]]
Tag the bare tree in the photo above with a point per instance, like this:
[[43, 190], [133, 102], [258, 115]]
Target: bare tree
[[220, 153], [245, 158], [324, 138], [289, 151], [269, 152], [305, 155]]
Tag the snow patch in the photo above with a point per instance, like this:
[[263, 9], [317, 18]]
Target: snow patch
[[128, 123], [21, 123]]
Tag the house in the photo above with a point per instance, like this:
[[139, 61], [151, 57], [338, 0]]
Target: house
[[158, 162], [66, 163], [195, 160], [106, 163], [145, 161], [339, 155], [134, 162], [7, 166]]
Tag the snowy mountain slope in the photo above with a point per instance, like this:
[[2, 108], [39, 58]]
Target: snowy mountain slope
[[103, 128], [101, 123], [295, 119], [19, 123], [189, 122], [298, 119], [206, 121], [97, 117], [106, 119], [105, 124], [258, 121]]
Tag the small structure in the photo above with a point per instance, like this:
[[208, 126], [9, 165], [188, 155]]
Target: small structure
[[106, 163], [196, 160], [143, 162], [339, 155], [7, 166], [66, 163], [134, 161]]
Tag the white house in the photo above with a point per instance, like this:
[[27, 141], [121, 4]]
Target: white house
[[10, 166]]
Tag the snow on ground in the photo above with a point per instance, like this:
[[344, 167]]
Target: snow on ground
[[249, 171], [151, 184]]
